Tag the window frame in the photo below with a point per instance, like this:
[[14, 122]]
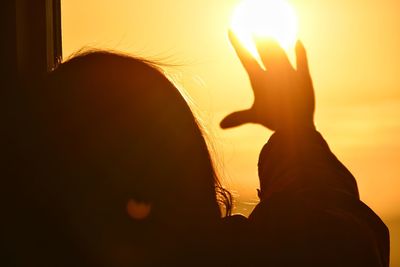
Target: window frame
[[38, 36]]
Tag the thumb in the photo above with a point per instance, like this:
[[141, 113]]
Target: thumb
[[236, 119]]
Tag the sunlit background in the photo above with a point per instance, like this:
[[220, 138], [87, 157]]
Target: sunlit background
[[271, 19], [354, 54]]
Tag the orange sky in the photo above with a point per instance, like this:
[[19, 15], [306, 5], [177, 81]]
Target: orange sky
[[354, 53]]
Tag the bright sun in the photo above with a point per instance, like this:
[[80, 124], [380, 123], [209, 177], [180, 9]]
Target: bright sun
[[265, 18]]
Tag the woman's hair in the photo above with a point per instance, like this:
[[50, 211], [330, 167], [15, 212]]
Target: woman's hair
[[114, 128]]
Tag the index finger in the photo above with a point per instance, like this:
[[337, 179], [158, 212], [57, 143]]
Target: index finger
[[248, 61]]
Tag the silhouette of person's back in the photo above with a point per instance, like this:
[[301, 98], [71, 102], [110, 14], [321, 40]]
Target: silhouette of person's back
[[116, 169], [309, 213]]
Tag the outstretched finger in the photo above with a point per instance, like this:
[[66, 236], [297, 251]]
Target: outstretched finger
[[236, 119], [304, 73], [302, 61], [248, 61], [272, 55]]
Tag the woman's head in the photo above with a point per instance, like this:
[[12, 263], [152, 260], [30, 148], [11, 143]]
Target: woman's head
[[115, 131]]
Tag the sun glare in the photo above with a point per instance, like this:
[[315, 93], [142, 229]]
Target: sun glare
[[265, 18]]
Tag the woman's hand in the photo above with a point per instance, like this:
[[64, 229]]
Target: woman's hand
[[283, 96]]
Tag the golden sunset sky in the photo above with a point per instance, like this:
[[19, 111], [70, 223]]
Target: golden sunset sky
[[354, 54]]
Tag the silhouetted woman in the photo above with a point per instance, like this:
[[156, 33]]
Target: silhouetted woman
[[118, 167]]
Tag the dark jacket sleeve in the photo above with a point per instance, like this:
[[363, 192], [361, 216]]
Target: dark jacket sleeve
[[301, 161], [310, 213]]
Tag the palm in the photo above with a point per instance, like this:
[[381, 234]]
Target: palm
[[283, 96]]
